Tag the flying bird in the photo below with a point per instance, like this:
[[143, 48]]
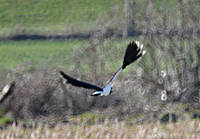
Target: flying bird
[[133, 52]]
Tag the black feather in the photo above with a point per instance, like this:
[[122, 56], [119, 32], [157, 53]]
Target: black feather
[[95, 94], [133, 52], [79, 83]]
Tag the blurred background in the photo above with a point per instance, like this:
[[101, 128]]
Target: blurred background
[[87, 40]]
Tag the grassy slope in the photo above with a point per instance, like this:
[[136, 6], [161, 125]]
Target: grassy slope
[[60, 53], [56, 53], [60, 16], [14, 53], [52, 16]]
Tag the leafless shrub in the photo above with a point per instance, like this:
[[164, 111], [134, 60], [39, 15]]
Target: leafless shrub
[[32, 95], [170, 35]]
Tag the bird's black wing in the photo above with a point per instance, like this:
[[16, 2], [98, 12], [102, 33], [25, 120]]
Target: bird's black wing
[[133, 52], [79, 83]]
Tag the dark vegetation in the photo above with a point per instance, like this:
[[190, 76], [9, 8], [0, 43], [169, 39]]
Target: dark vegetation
[[170, 35]]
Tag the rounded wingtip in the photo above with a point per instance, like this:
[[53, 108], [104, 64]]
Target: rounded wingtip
[[143, 52], [61, 73], [138, 43], [141, 46]]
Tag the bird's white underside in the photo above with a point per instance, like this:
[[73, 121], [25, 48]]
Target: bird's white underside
[[107, 89]]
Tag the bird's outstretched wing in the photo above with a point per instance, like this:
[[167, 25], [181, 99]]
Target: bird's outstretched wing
[[79, 83], [112, 80], [133, 52]]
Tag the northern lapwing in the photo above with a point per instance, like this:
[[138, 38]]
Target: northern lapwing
[[133, 52]]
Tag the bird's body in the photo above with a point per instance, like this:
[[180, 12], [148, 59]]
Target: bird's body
[[133, 52], [108, 88]]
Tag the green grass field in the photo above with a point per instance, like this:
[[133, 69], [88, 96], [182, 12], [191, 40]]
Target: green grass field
[[66, 53], [13, 53], [55, 53], [52, 17], [30, 56], [63, 17]]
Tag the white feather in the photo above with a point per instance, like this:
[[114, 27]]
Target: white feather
[[143, 52]]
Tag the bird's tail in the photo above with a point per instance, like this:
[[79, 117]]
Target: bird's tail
[[133, 52]]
